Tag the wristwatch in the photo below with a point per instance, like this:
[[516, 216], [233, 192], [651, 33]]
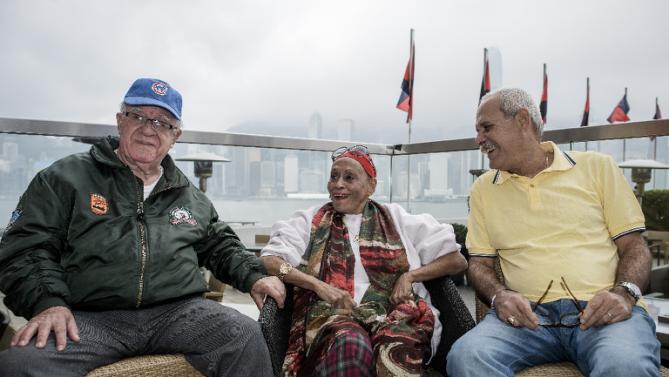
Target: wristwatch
[[284, 270], [632, 289]]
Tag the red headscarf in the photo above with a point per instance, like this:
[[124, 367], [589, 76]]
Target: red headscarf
[[363, 159]]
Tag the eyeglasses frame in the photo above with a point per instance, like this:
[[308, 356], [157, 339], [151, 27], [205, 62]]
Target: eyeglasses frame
[[572, 297], [343, 149], [156, 124]]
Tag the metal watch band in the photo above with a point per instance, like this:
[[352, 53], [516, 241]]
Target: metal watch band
[[631, 288], [284, 270]]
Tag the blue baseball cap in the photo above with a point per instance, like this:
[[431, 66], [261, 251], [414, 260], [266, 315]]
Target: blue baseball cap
[[154, 92]]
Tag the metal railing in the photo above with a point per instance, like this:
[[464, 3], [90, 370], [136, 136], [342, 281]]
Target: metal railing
[[563, 136], [92, 130], [560, 136]]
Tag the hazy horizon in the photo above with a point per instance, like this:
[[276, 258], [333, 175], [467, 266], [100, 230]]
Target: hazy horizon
[[248, 64]]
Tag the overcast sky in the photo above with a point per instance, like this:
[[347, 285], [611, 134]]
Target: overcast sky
[[275, 63]]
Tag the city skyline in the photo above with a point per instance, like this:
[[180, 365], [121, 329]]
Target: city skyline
[[264, 185]]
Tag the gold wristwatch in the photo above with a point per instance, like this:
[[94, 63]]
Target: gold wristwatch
[[284, 270]]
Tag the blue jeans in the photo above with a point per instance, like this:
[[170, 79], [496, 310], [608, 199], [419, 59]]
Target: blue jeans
[[494, 348]]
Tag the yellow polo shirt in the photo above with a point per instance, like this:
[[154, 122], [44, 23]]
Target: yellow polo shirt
[[561, 222]]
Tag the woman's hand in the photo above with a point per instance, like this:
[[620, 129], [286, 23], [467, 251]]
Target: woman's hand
[[338, 298], [403, 290]]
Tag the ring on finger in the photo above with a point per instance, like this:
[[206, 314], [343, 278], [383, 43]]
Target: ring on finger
[[511, 320], [608, 314]]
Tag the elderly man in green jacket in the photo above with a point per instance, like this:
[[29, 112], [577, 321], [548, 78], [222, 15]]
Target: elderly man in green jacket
[[103, 256]]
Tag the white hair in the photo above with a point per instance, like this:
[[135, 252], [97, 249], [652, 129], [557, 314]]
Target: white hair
[[511, 100]]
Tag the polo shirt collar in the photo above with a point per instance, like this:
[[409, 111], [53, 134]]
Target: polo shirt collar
[[561, 161]]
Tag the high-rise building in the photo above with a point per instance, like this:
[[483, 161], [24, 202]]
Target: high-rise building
[[459, 178], [315, 126], [310, 181], [267, 178], [291, 174], [345, 129], [437, 168]]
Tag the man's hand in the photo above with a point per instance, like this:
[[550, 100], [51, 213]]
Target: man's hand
[[58, 319], [514, 309], [268, 286], [403, 290], [607, 307]]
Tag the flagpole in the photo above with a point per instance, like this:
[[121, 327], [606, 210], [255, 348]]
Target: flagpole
[[485, 68], [655, 138], [543, 104], [587, 98], [409, 174], [624, 140], [410, 121]]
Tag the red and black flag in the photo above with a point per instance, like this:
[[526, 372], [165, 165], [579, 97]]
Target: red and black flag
[[619, 113], [586, 111], [405, 102], [485, 81], [543, 105]]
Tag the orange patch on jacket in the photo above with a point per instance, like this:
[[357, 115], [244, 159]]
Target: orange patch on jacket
[[99, 204]]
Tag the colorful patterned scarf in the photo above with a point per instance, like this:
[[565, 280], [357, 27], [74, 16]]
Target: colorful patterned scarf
[[400, 335]]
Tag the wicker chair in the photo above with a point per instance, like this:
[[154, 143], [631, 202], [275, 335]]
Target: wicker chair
[[455, 317], [562, 369], [658, 243], [148, 366]]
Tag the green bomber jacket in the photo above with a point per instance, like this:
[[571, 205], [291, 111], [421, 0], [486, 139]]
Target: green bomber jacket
[[83, 236]]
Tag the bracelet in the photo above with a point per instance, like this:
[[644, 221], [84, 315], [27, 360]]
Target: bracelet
[[492, 300]]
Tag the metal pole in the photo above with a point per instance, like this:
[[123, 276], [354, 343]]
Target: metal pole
[[411, 52], [409, 174], [392, 157], [624, 146]]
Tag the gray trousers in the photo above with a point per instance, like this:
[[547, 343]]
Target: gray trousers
[[216, 340]]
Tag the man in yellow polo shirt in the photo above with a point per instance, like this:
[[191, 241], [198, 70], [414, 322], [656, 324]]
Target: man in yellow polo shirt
[[567, 230]]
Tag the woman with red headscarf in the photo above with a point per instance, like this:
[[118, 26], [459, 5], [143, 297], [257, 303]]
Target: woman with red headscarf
[[360, 308]]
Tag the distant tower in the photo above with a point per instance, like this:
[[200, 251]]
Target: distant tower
[[345, 129], [267, 178], [315, 126], [438, 173], [291, 173], [254, 159]]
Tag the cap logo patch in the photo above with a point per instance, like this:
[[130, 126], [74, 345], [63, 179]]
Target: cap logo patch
[[160, 88], [181, 215], [99, 204]]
